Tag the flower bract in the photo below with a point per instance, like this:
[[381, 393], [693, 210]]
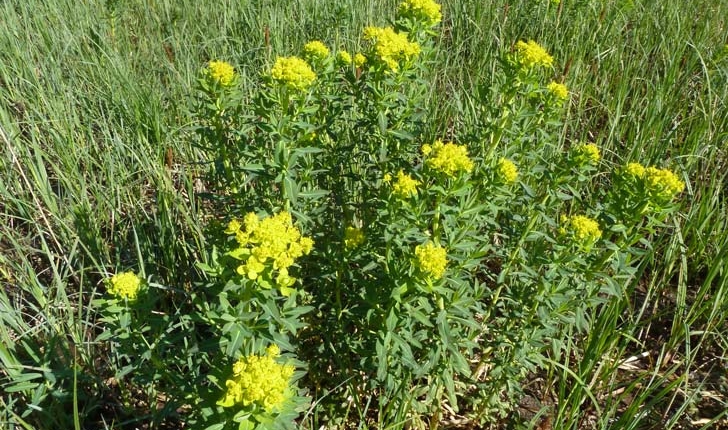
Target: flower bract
[[316, 49], [558, 91], [353, 237], [125, 286], [221, 73], [406, 185], [293, 72], [258, 379], [530, 54], [424, 11], [586, 153], [507, 171], [391, 47], [271, 243], [582, 229], [431, 260], [662, 184], [447, 158]]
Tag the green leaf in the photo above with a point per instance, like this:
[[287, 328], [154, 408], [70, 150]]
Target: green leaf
[[236, 337]]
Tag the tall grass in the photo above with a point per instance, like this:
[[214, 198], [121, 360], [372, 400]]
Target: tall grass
[[97, 172]]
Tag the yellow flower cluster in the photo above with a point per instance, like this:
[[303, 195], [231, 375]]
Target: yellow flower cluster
[[406, 185], [558, 90], [271, 241], [431, 260], [391, 47], [425, 11], [532, 54], [125, 286], [343, 57], [353, 237], [293, 72], [359, 59], [634, 169], [586, 153], [662, 183], [583, 229], [507, 171], [221, 73], [258, 379], [316, 50], [447, 158]]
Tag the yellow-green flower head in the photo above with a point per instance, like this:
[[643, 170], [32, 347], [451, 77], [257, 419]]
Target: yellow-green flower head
[[359, 59], [124, 286], [353, 237], [293, 72], [558, 91], [431, 260], [233, 227], [391, 47], [260, 380], [532, 54], [447, 158], [634, 170], [584, 230], [662, 183], [315, 50], [425, 11], [344, 58], [507, 171], [221, 73], [272, 242], [406, 186], [586, 153]]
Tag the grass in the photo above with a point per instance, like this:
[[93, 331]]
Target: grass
[[97, 173]]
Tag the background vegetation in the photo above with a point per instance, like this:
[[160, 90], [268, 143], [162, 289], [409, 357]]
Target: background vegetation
[[97, 173]]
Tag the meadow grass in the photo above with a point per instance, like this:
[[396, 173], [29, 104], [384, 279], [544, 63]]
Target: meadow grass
[[97, 173]]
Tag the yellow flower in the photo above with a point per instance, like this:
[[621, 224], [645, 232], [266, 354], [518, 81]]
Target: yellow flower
[[532, 54], [251, 268], [558, 90], [353, 237], [260, 380], [343, 57], [662, 184], [634, 169], [507, 171], [391, 47], [124, 286], [584, 230], [293, 72], [586, 153], [315, 50], [447, 158], [431, 260], [233, 227], [359, 59], [387, 178], [406, 186], [425, 11], [269, 244], [221, 73]]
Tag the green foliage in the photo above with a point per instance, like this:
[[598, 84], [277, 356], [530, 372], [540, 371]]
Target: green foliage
[[467, 269], [99, 176]]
